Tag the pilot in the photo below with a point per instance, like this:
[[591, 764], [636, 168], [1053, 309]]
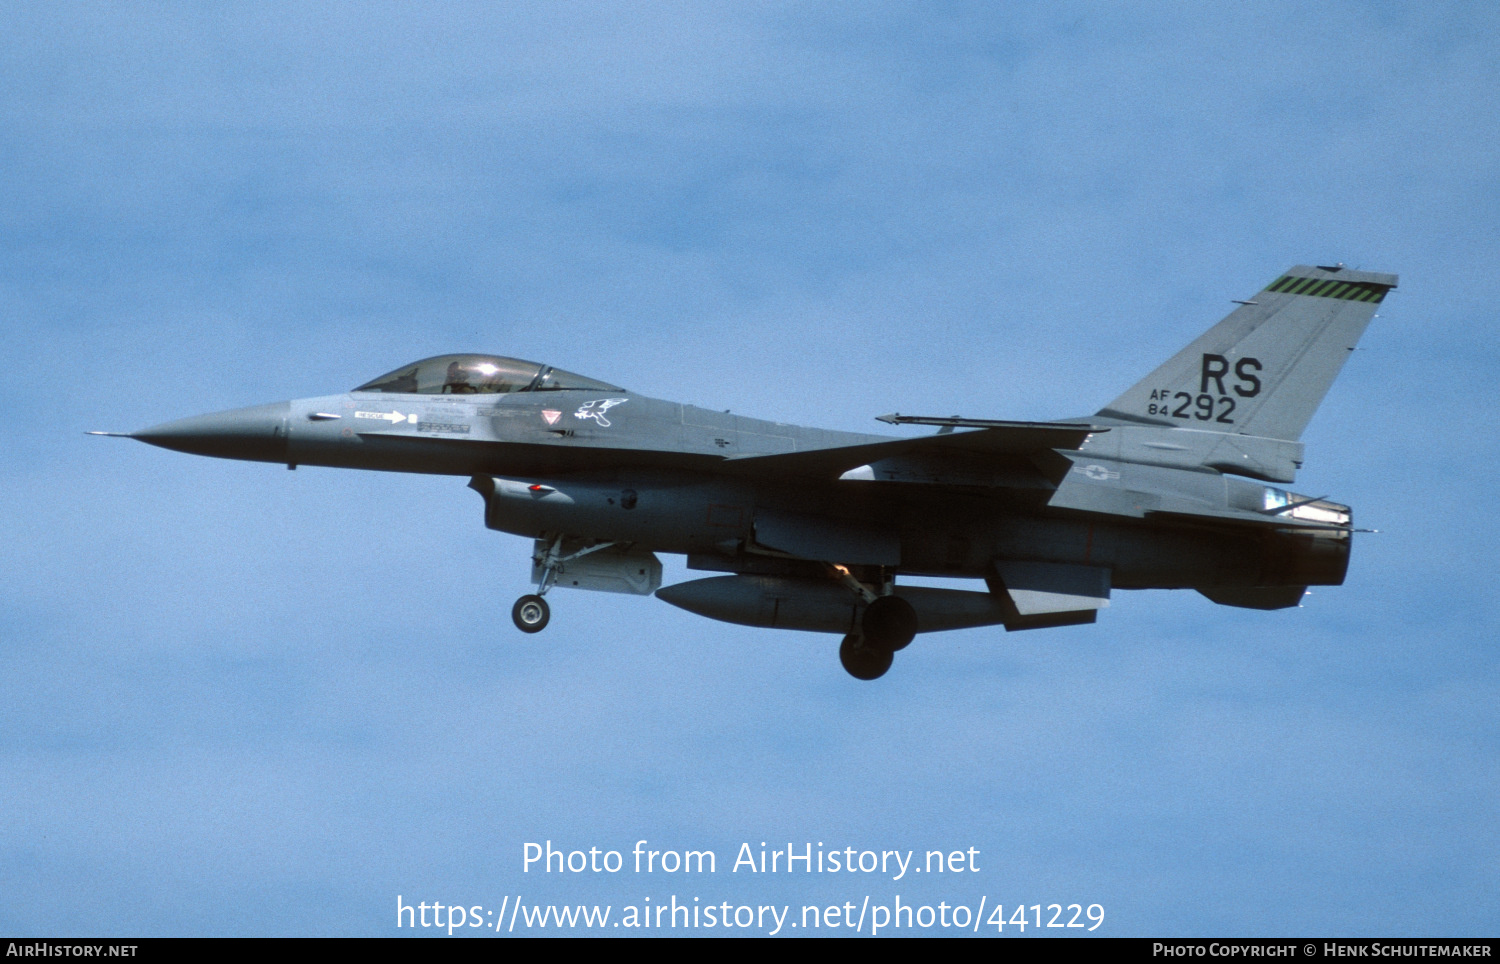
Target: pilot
[[457, 380]]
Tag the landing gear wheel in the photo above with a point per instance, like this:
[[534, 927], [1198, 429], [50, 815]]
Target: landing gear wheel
[[889, 623], [530, 614], [863, 661]]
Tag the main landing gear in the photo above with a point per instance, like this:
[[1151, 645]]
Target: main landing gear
[[862, 660], [889, 624]]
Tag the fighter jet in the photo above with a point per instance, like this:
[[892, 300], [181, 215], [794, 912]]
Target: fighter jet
[[1176, 484]]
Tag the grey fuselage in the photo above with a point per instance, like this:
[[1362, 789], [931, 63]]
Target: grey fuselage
[[661, 476]]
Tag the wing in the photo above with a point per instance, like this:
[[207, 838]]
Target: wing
[[1001, 440]]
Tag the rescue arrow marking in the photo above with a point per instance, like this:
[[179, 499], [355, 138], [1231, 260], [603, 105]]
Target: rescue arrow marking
[[395, 418]]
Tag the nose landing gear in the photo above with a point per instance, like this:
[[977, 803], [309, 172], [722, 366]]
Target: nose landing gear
[[531, 613]]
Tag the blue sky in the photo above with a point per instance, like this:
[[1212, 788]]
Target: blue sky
[[240, 700]]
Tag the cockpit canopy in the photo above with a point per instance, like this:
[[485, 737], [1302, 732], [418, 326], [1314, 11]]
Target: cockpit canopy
[[480, 375]]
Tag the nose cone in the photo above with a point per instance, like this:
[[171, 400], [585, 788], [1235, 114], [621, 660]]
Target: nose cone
[[257, 433]]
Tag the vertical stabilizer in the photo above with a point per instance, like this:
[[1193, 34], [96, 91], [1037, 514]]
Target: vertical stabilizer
[[1263, 370]]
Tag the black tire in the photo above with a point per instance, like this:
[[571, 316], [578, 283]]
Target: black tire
[[531, 614], [889, 623], [862, 661]]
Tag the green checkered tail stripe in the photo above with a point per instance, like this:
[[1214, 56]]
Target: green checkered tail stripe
[[1324, 288]]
